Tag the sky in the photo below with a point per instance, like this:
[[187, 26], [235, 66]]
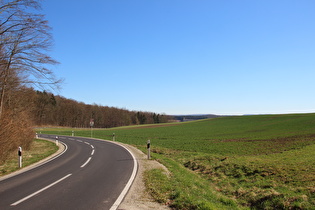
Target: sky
[[186, 56]]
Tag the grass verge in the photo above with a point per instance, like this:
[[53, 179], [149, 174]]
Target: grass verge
[[39, 150], [184, 189]]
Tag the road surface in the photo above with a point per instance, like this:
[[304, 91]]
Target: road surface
[[90, 174]]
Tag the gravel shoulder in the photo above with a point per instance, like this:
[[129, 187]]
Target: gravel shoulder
[[137, 196]]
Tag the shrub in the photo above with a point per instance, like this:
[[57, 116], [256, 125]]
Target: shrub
[[15, 131]]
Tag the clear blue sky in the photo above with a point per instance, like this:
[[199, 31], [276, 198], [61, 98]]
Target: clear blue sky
[[186, 56]]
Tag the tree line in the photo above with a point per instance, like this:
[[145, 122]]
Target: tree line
[[54, 110]]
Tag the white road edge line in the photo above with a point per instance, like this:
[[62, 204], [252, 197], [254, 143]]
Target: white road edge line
[[39, 191], [88, 160], [128, 185], [92, 153]]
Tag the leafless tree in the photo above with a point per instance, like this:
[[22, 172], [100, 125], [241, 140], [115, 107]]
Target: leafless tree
[[25, 40]]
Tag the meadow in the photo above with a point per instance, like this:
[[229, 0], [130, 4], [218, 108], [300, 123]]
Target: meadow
[[257, 162]]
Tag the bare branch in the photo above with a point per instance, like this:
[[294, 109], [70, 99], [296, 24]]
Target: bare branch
[[24, 41]]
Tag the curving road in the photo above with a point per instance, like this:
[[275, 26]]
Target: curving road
[[90, 174]]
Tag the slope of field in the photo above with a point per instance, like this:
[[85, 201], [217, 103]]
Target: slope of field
[[264, 161]]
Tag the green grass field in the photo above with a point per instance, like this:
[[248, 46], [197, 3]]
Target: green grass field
[[258, 162]]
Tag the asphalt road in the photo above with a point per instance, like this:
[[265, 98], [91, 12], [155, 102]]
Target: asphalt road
[[90, 174]]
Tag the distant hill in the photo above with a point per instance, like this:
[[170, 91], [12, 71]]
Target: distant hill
[[185, 118]]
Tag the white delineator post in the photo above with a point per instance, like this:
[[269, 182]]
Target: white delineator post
[[148, 147], [20, 157], [57, 140]]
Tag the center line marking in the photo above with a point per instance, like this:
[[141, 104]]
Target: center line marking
[[88, 160], [39, 191], [92, 153], [92, 146]]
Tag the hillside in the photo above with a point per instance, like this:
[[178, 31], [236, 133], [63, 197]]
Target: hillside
[[263, 161]]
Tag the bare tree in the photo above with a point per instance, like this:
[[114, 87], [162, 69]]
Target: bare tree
[[24, 42]]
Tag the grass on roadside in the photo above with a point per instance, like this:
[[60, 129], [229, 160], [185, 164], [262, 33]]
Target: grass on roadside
[[39, 150], [184, 189]]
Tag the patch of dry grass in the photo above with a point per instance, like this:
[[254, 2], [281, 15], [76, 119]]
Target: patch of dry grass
[[39, 150]]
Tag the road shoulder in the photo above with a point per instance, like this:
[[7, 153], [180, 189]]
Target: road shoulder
[[137, 196]]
